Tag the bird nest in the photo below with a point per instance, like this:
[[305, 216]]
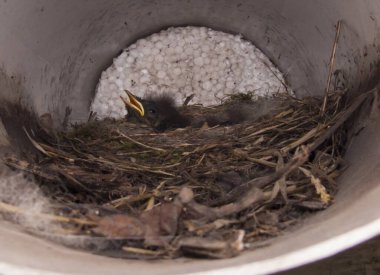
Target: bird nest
[[124, 190]]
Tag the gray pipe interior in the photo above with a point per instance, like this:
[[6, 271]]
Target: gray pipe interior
[[52, 53]]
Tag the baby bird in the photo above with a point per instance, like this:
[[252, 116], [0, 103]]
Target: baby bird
[[241, 111], [161, 113]]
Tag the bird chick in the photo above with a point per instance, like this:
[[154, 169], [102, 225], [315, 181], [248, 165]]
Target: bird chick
[[254, 110], [239, 112], [159, 112]]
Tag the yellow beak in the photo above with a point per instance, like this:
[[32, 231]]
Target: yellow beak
[[132, 102]]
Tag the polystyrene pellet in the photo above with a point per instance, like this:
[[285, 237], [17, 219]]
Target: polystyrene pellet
[[183, 61]]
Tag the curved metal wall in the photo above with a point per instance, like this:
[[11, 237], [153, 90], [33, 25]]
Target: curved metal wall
[[52, 53]]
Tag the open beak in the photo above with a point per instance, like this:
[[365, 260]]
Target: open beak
[[132, 102]]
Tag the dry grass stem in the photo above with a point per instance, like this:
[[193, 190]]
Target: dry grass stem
[[206, 192]]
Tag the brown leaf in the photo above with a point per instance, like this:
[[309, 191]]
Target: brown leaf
[[151, 220], [169, 215], [120, 225], [162, 221]]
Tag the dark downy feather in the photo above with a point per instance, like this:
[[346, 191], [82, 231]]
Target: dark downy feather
[[161, 113]]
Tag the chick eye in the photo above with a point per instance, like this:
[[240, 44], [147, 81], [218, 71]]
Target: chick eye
[[152, 111]]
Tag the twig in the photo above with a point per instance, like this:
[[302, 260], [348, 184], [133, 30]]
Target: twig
[[268, 195], [264, 181], [254, 194], [5, 207], [301, 140], [219, 165], [122, 167], [299, 159], [276, 76], [188, 99], [76, 182], [261, 131], [346, 115], [126, 200], [262, 162], [214, 248], [331, 67], [142, 251], [37, 145], [139, 143]]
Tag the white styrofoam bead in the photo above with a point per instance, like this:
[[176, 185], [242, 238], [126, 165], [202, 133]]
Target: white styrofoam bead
[[187, 89], [183, 61], [130, 59], [230, 85], [209, 85], [159, 58], [178, 49], [198, 61], [144, 79], [161, 74]]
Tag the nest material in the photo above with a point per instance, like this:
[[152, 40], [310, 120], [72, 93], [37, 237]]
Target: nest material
[[121, 189]]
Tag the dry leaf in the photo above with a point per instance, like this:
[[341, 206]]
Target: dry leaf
[[120, 225], [320, 189]]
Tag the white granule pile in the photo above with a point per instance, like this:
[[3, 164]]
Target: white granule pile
[[184, 61]]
